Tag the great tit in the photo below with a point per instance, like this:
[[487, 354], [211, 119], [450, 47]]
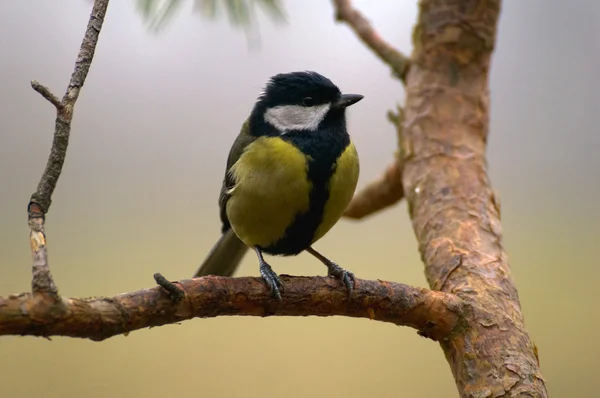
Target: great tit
[[290, 174]]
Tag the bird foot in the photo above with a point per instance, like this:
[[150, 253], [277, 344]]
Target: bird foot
[[272, 280], [338, 272]]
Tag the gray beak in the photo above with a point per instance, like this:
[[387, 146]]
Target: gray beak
[[347, 99]]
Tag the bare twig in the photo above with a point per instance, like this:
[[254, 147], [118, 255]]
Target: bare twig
[[386, 190], [41, 199], [46, 93], [435, 314], [477, 318], [362, 27]]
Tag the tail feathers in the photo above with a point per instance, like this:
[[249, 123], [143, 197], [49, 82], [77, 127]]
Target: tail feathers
[[224, 257]]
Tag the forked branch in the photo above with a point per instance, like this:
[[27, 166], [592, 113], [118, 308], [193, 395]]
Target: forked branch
[[441, 163], [345, 12], [452, 205], [45, 313], [42, 282], [442, 166]]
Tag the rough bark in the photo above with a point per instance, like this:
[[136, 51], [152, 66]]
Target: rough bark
[[440, 169], [435, 314], [455, 215]]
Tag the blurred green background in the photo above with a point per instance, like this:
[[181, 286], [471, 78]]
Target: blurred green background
[[138, 194]]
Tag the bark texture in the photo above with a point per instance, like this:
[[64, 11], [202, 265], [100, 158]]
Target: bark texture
[[441, 170], [434, 314], [39, 204], [455, 215]]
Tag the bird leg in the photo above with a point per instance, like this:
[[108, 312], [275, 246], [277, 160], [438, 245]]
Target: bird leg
[[335, 270], [269, 276]]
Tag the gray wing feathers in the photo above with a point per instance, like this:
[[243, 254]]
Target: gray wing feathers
[[228, 252]]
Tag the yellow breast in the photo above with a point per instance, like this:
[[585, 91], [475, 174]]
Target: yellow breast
[[271, 189], [341, 189]]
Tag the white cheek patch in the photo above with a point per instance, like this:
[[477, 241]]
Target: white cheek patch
[[295, 117]]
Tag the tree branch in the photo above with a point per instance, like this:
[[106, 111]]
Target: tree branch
[[345, 12], [452, 205], [46, 93], [42, 282], [475, 316], [386, 190], [435, 314]]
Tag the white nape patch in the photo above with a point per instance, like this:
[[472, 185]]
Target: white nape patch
[[295, 117]]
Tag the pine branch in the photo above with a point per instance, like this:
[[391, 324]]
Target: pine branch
[[436, 315], [452, 205], [476, 313]]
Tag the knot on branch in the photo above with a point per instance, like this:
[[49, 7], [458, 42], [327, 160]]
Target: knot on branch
[[38, 207], [177, 294]]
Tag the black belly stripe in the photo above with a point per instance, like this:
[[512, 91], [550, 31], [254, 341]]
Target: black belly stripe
[[323, 147]]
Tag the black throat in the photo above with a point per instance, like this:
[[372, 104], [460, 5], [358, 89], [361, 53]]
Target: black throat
[[322, 147]]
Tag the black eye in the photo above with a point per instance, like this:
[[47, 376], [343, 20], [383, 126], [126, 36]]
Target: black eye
[[308, 101]]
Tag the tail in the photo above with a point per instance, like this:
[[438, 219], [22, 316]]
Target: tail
[[225, 256]]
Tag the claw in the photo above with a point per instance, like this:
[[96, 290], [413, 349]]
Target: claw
[[272, 280], [338, 272], [335, 270], [270, 277]]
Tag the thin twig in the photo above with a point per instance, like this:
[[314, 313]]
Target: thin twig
[[433, 314], [364, 30], [46, 93], [41, 199], [386, 190]]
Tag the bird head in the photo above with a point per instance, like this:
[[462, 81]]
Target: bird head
[[300, 101]]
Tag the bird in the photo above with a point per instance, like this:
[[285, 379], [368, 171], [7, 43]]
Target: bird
[[290, 174]]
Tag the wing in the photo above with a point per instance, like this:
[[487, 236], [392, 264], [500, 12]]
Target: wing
[[240, 143]]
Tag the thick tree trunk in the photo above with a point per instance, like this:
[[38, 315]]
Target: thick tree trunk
[[455, 214]]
